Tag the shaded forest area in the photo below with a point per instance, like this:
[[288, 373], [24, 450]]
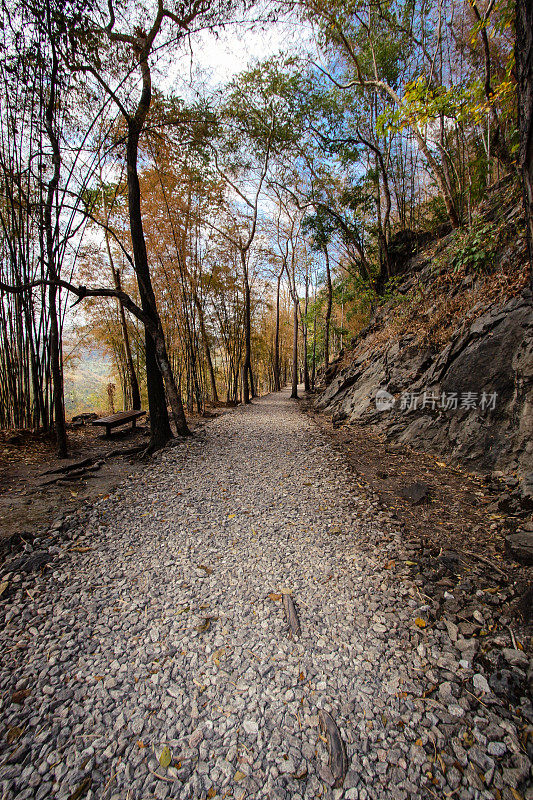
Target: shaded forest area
[[220, 242]]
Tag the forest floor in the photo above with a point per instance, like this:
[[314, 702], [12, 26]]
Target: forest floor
[[149, 656], [439, 507], [32, 495]]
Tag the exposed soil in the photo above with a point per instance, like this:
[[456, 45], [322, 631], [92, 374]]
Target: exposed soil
[[456, 529], [30, 495]]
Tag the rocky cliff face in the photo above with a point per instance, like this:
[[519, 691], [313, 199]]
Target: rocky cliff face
[[470, 401]]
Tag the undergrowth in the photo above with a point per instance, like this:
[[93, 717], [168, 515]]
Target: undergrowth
[[467, 272]]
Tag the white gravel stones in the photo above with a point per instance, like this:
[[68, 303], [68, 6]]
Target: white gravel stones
[[481, 683], [154, 628]]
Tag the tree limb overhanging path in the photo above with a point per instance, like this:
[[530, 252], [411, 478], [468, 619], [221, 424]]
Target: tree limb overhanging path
[[153, 658]]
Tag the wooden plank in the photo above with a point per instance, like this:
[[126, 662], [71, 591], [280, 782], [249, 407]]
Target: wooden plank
[[121, 417]]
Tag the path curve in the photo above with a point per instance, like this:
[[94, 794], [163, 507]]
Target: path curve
[[154, 628]]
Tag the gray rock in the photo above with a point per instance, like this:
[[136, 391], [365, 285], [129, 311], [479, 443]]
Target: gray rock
[[519, 546], [516, 658]]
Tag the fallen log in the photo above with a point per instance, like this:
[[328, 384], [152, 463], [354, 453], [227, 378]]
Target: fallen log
[[338, 760], [292, 616]]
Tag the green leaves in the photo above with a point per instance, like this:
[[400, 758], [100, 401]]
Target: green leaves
[[165, 757]]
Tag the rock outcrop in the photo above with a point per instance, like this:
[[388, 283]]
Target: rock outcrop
[[471, 402]]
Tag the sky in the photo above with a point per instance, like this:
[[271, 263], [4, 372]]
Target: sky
[[212, 60]]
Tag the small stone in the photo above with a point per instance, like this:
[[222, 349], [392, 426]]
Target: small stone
[[516, 658], [455, 710], [251, 727], [162, 790], [481, 683], [196, 737], [496, 749]]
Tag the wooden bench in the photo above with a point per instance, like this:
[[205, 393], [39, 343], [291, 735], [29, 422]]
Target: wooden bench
[[120, 418]]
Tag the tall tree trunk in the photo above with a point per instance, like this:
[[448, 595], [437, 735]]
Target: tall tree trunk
[[307, 384], [524, 69], [130, 366], [247, 365], [445, 187], [205, 339], [313, 366], [294, 392], [55, 340], [158, 367], [497, 138], [277, 381], [329, 303]]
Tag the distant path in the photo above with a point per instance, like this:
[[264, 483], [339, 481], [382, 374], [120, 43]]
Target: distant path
[[119, 660]]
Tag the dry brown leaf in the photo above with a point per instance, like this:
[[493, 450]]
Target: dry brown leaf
[[14, 734], [20, 696]]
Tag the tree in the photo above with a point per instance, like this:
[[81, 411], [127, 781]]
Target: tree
[[524, 69]]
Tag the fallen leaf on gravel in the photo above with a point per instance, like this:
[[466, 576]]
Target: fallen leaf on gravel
[[3, 587], [14, 734], [211, 792], [390, 564], [274, 596], [20, 696], [204, 626], [231, 516], [516, 794], [239, 775], [184, 610], [165, 757], [217, 654], [82, 788], [80, 549], [420, 623], [208, 570]]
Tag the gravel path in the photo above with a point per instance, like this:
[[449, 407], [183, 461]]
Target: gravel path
[[157, 635]]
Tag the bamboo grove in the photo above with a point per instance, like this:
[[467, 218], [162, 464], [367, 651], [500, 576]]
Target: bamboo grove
[[218, 241]]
